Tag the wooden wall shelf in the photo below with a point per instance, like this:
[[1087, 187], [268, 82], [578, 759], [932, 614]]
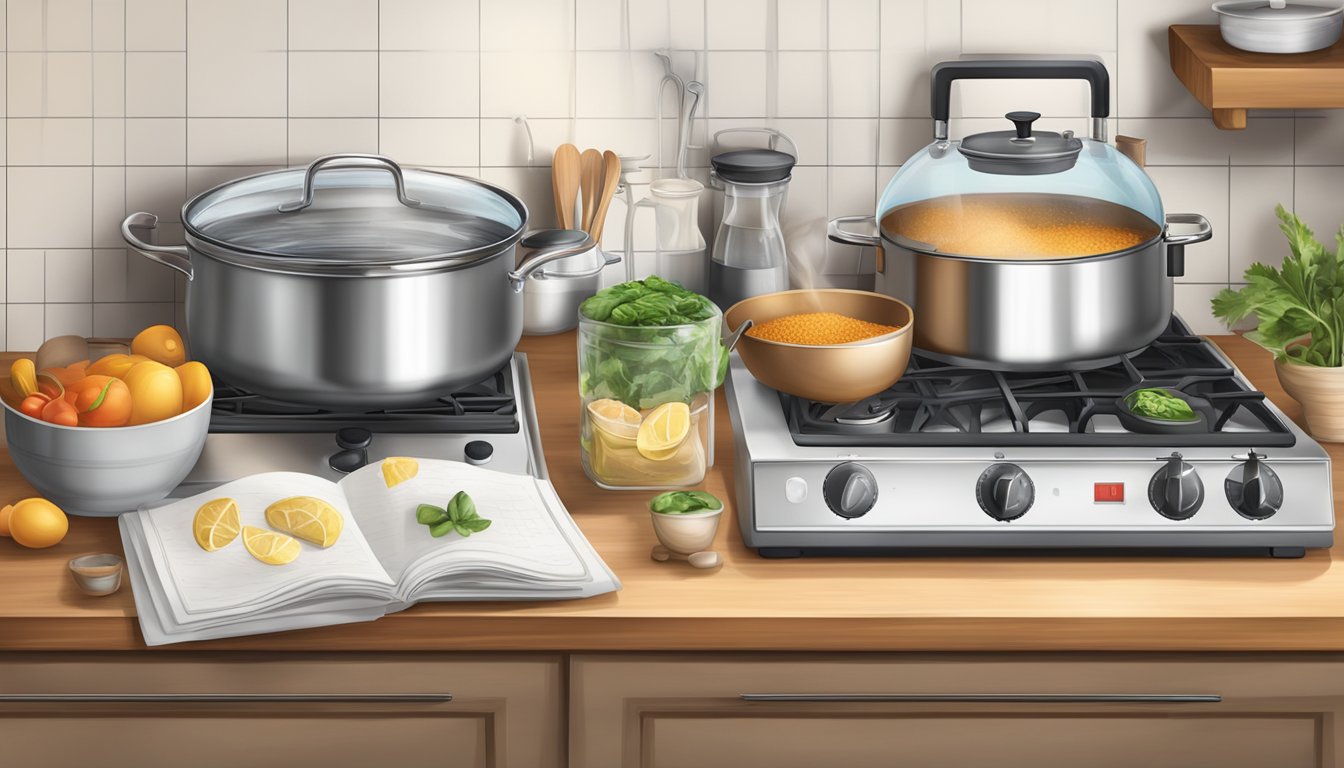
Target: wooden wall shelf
[[1230, 81]]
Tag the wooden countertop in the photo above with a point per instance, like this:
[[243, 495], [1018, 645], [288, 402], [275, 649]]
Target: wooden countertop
[[1060, 603]]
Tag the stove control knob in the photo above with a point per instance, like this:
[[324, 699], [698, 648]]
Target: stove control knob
[[353, 438], [1253, 489], [1005, 492], [1176, 491], [850, 490]]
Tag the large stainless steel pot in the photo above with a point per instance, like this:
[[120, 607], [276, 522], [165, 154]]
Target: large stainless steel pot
[[360, 287], [1024, 310]]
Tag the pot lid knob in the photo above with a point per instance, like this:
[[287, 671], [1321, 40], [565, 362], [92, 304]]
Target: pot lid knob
[[1022, 121]]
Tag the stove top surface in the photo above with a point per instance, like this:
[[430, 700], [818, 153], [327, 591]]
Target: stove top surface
[[488, 406], [937, 403]]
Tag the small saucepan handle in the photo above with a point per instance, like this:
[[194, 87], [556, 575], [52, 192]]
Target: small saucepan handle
[[549, 245], [868, 238], [1194, 229], [175, 256]]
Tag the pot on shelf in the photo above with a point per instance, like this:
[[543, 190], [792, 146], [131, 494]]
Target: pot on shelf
[[1025, 249], [352, 283]]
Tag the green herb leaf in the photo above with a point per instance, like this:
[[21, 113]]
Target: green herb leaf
[[1300, 306], [428, 514], [102, 394], [683, 502], [461, 507], [475, 526], [1158, 403], [441, 529]]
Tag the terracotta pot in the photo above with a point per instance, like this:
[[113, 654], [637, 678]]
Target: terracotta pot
[[1321, 393]]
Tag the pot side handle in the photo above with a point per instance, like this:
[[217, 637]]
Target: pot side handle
[[552, 245], [836, 231], [174, 256], [1197, 230]]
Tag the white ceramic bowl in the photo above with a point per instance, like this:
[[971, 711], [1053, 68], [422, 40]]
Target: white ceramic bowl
[[105, 471], [689, 533]]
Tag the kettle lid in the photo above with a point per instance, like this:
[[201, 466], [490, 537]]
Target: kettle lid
[[1022, 151]]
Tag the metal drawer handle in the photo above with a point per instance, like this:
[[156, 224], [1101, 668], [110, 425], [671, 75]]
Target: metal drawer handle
[[217, 698], [1011, 698]]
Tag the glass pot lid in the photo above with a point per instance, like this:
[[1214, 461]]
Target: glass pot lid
[[353, 212], [1276, 10], [941, 202], [1021, 152]]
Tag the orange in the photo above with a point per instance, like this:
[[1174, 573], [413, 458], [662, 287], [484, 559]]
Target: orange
[[115, 364], [196, 386], [156, 392], [160, 343], [102, 401], [37, 523]]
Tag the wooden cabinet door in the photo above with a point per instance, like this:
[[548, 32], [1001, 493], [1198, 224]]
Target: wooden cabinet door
[[295, 710], [744, 711]]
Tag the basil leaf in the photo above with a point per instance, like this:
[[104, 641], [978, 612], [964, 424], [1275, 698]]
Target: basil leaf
[[428, 514], [461, 507], [439, 530], [476, 526]]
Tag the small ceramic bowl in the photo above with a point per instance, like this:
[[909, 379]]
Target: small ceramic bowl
[[98, 575], [688, 536]]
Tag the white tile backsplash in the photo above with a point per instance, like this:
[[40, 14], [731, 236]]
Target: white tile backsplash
[[122, 105]]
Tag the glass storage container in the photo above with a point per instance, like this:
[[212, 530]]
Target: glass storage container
[[647, 402]]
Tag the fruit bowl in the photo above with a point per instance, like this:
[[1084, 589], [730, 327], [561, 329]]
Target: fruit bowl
[[105, 471]]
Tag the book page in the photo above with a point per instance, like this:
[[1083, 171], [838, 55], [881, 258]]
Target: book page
[[523, 540], [230, 580]]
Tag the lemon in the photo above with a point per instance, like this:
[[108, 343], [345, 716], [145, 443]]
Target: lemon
[[615, 418], [216, 524], [306, 517], [663, 432], [35, 523], [270, 547], [399, 469]]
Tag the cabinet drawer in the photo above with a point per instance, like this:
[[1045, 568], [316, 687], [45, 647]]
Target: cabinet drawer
[[1009, 711], [298, 710]]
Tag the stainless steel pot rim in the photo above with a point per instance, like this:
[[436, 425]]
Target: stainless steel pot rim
[[1241, 9], [914, 246], [275, 261]]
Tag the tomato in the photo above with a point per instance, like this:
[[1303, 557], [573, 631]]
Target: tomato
[[102, 401], [33, 404], [61, 412]]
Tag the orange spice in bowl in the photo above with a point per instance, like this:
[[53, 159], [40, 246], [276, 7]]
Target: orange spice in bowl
[[818, 329]]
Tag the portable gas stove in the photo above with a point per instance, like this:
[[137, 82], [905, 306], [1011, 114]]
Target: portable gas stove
[[955, 458], [492, 423]]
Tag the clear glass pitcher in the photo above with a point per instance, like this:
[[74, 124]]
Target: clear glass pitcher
[[749, 257], [679, 247]]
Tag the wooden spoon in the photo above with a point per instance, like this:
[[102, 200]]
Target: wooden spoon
[[611, 178], [591, 184], [565, 183]]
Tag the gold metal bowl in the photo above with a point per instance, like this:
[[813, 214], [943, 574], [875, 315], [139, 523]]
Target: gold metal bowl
[[831, 373]]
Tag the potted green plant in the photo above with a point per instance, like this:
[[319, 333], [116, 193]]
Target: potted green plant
[[1300, 308]]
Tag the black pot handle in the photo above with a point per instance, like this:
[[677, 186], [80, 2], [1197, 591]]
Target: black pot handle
[[1094, 72]]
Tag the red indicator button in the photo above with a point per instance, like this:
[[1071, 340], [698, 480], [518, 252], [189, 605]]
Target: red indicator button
[[1104, 493]]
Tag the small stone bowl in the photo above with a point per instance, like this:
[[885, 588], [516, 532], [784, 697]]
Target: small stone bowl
[[687, 537], [98, 575]]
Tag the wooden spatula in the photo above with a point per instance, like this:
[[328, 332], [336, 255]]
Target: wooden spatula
[[565, 168], [591, 183], [611, 178]]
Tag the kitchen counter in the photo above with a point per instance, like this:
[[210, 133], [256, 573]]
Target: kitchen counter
[[1006, 603]]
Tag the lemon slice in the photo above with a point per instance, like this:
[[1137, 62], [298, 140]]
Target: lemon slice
[[270, 547], [615, 418], [663, 432], [399, 469], [216, 524], [306, 517]]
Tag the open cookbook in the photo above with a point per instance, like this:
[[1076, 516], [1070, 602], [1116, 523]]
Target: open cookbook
[[383, 560]]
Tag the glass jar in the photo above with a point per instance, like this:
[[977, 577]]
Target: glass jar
[[647, 402]]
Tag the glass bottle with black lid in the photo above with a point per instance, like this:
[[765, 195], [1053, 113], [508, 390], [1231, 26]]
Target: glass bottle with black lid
[[749, 257]]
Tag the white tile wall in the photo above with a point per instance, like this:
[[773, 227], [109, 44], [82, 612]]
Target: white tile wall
[[112, 106]]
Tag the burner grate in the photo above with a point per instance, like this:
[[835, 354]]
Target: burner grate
[[937, 403], [486, 407]]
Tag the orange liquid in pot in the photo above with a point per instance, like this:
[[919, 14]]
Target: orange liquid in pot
[[1020, 226]]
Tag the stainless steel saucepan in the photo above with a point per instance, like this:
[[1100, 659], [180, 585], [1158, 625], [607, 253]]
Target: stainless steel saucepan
[[352, 283]]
